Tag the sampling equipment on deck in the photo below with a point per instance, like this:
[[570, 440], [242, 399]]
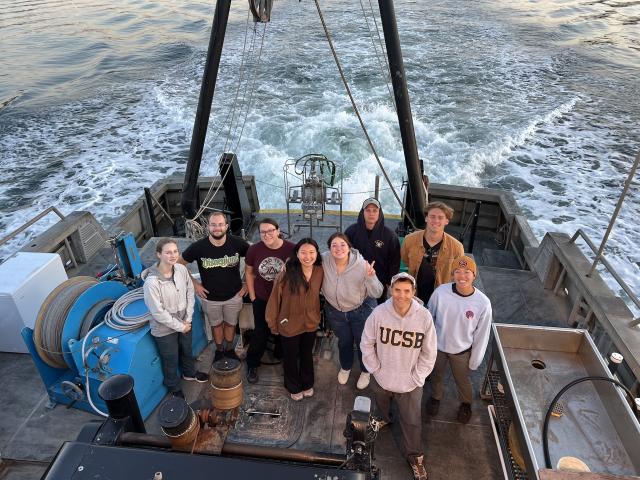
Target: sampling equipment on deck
[[88, 330]]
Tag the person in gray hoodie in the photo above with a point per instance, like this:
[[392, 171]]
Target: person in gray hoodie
[[399, 348], [350, 288], [168, 294]]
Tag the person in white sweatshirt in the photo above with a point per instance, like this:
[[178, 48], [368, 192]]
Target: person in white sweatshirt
[[169, 296], [462, 316], [399, 350]]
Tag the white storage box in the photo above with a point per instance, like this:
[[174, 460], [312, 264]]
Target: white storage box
[[26, 279]]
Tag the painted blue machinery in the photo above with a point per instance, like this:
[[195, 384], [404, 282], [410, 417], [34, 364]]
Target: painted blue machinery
[[95, 355]]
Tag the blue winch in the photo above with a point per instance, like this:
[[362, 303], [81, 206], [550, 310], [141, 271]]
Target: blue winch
[[89, 330]]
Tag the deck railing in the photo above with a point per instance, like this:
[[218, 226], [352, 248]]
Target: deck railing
[[35, 219], [612, 271]]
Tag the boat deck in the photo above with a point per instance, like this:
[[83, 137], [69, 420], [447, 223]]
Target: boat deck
[[31, 432]]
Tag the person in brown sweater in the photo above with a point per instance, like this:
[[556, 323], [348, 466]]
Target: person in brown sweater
[[293, 312]]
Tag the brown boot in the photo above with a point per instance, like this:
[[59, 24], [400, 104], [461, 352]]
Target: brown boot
[[464, 413], [417, 466]]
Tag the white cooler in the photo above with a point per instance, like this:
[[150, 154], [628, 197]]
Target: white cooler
[[26, 279]]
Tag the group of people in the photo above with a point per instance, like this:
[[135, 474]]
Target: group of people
[[402, 327]]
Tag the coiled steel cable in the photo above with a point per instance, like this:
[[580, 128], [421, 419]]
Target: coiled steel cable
[[47, 332]]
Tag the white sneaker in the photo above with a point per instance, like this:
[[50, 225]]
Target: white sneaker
[[343, 376], [363, 381]]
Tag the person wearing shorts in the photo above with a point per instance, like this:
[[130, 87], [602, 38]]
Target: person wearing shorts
[[220, 288]]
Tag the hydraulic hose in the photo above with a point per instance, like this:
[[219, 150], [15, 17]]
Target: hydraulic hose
[[545, 428], [86, 372], [116, 318]]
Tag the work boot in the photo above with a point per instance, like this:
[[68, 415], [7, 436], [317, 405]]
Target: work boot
[[417, 465], [433, 406], [219, 355], [464, 413], [252, 375], [231, 353]]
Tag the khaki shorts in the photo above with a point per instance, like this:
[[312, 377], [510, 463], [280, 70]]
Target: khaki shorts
[[226, 311]]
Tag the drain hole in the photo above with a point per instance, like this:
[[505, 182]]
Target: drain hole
[[539, 364]]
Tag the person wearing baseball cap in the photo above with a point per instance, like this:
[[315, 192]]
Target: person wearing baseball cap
[[462, 316], [399, 349], [376, 243]]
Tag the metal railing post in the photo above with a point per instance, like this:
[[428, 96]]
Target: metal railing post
[[615, 214]]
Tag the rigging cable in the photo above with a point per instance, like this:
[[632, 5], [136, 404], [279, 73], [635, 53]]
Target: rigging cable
[[357, 112], [193, 227], [252, 89], [385, 72], [191, 224], [245, 66]]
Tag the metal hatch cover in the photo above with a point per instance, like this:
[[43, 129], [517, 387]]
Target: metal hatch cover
[[268, 417]]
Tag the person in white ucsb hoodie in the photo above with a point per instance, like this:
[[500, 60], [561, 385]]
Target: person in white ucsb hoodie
[[462, 316], [169, 296], [399, 349]]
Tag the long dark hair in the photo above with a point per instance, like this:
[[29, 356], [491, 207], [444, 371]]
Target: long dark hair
[[293, 276]]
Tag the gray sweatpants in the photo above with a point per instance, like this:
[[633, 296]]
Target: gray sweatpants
[[410, 412]]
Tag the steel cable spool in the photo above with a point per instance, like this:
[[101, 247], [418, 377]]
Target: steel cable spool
[[51, 317]]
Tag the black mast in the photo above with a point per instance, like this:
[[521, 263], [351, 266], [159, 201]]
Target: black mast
[[415, 200], [190, 198]]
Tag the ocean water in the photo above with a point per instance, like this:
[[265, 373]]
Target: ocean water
[[97, 101]]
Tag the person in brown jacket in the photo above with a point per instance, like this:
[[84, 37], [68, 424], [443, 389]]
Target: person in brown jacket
[[293, 312], [428, 253]]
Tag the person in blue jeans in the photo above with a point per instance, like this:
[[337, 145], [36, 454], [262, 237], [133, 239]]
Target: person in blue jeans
[[350, 288]]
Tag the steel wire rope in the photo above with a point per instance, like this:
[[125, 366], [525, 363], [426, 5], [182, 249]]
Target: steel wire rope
[[281, 187], [357, 112], [388, 71], [252, 89], [244, 68], [385, 72], [191, 224], [51, 318], [240, 75]]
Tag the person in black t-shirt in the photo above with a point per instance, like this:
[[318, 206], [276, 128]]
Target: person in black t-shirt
[[220, 288]]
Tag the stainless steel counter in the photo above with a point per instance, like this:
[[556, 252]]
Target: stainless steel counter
[[596, 424]]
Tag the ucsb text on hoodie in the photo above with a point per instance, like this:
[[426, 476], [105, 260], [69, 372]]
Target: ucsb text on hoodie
[[399, 351]]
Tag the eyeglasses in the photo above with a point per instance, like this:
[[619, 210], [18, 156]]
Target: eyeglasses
[[268, 232], [217, 225]]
